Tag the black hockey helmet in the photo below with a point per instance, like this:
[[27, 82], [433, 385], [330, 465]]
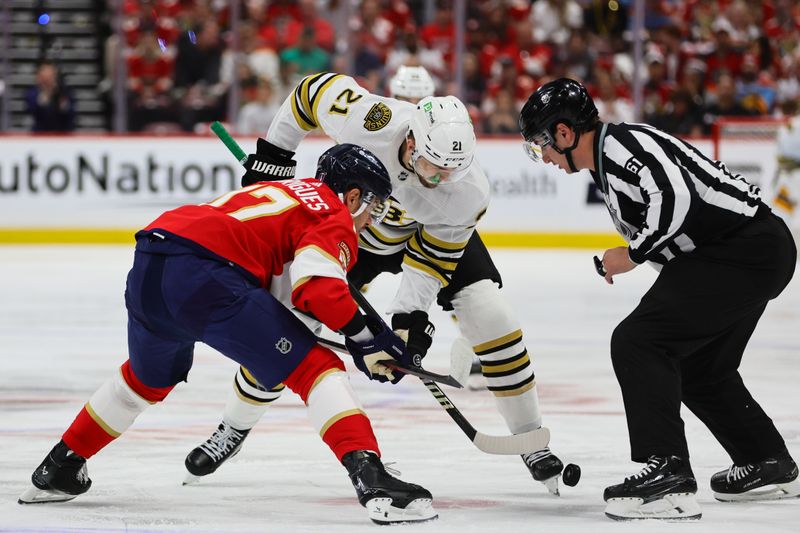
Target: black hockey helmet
[[347, 166], [559, 101]]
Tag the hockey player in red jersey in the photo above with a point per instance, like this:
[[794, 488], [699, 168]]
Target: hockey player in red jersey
[[228, 273]]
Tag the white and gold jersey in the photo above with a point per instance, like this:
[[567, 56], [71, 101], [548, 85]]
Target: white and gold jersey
[[433, 226]]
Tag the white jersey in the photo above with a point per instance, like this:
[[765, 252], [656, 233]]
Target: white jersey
[[433, 226], [789, 142]]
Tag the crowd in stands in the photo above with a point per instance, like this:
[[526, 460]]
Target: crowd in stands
[[703, 58]]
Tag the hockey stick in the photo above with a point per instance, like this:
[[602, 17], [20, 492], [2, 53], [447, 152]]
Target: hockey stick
[[527, 442]]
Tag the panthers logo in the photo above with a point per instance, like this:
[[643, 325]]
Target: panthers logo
[[378, 117]]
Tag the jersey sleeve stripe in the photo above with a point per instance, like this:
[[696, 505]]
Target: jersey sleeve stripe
[[444, 246], [385, 239], [415, 245], [414, 263]]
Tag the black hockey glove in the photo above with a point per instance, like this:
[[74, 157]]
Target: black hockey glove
[[420, 333], [385, 345], [269, 163]]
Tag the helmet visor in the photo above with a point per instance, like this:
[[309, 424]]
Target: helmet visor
[[378, 209], [431, 173], [537, 144]]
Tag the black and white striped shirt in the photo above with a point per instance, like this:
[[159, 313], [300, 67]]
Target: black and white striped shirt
[[664, 196]]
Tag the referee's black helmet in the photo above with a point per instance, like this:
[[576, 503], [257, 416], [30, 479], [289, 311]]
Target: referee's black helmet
[[562, 100]]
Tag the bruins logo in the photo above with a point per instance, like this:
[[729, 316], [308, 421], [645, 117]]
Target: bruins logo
[[377, 117]]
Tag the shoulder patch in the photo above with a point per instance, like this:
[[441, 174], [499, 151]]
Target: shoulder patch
[[344, 255], [633, 165], [378, 117]]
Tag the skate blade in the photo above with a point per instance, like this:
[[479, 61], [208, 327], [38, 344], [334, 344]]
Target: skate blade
[[552, 485], [191, 479], [36, 495], [778, 491], [382, 512], [679, 506]]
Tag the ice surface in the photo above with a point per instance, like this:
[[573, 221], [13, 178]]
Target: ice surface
[[62, 333]]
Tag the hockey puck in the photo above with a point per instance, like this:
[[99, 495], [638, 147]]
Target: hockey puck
[[571, 475]]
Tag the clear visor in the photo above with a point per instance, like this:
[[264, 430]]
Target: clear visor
[[535, 146], [431, 173], [377, 208]]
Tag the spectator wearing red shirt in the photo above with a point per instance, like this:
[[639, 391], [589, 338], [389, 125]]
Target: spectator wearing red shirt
[[149, 82], [324, 33], [440, 34]]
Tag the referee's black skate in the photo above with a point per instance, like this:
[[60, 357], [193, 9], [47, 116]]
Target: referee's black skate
[[223, 444], [388, 500], [771, 479], [61, 477], [545, 468], [664, 489]]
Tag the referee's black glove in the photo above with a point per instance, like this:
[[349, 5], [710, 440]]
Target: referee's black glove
[[269, 163], [420, 333]]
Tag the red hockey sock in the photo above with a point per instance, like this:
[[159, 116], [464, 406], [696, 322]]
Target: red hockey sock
[[110, 411], [350, 434]]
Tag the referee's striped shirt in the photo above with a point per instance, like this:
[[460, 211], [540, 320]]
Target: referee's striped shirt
[[665, 197]]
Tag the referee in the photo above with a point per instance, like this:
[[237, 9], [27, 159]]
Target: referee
[[722, 255]]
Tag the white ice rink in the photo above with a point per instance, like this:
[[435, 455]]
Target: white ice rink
[[62, 333]]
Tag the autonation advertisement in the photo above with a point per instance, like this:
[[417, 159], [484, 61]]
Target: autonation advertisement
[[125, 182]]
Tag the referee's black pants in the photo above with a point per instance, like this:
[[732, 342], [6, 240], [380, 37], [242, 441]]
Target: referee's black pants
[[685, 340]]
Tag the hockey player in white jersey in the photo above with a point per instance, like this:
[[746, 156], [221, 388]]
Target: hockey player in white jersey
[[411, 84], [439, 195], [787, 182]]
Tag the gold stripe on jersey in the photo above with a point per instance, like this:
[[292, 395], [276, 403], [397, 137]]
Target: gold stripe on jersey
[[427, 268], [385, 239], [434, 242], [500, 343], [299, 282], [100, 422], [447, 266], [316, 248], [307, 96], [338, 417]]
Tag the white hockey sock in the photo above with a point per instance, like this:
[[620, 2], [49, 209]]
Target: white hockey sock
[[248, 401]]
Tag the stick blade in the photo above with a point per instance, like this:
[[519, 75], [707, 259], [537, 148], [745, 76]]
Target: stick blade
[[527, 442]]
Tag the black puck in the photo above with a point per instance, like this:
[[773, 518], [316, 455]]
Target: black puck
[[571, 475]]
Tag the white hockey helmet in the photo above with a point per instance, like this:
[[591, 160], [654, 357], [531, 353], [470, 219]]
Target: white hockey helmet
[[443, 134], [411, 83]]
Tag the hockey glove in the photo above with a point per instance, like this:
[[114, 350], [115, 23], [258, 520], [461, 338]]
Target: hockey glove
[[384, 346], [417, 331], [269, 163]]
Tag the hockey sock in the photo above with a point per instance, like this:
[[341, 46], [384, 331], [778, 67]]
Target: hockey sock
[[249, 400], [333, 408], [488, 322], [110, 411]]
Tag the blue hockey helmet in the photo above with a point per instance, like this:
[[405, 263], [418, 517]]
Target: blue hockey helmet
[[347, 166]]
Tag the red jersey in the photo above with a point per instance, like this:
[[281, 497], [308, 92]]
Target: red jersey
[[295, 236]]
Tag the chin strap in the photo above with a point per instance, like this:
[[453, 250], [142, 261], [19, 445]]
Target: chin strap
[[568, 151]]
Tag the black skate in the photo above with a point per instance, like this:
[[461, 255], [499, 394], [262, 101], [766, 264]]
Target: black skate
[[770, 479], [544, 467], [221, 446], [388, 500], [664, 489], [61, 477]]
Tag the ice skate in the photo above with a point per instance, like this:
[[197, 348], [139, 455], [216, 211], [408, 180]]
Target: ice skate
[[223, 444], [387, 499], [61, 477], [770, 479], [545, 468], [664, 489]]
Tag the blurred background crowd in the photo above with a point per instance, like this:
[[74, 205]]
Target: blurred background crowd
[[177, 61]]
